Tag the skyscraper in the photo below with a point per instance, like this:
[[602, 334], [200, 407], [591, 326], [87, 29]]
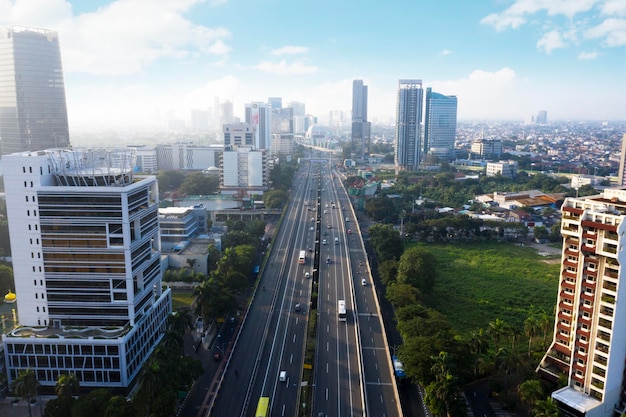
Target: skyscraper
[[439, 125], [621, 175], [84, 234], [588, 349], [275, 102], [542, 117], [259, 116], [408, 125], [33, 113], [360, 126]]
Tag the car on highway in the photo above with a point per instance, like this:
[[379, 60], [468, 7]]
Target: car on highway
[[311, 228], [217, 357], [307, 275], [324, 242], [363, 282], [282, 376], [328, 260], [297, 307], [347, 219]]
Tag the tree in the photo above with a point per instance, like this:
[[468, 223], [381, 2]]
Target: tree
[[118, 406], [170, 180], [6, 280], [531, 328], [386, 242], [418, 267], [150, 379], [540, 233], [25, 386], [92, 404], [388, 271], [275, 199], [529, 392], [506, 362], [498, 330], [401, 295], [546, 408], [67, 385], [199, 184]]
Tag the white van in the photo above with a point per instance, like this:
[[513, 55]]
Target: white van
[[282, 376], [336, 241]]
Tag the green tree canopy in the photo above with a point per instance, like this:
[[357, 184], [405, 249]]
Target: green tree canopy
[[418, 268], [200, 184]]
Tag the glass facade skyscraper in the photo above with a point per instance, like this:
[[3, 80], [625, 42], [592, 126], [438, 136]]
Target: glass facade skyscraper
[[33, 113], [407, 148], [439, 124], [360, 126]]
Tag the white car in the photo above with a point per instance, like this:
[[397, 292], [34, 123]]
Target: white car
[[363, 282], [324, 242], [307, 275], [311, 228]]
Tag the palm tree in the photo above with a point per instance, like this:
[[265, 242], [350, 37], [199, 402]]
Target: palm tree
[[531, 328], [498, 329], [67, 386], [506, 362], [545, 321], [25, 386], [150, 379], [529, 392], [180, 321], [546, 408], [478, 342]]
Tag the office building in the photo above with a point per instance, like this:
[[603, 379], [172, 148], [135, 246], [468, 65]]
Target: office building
[[238, 134], [275, 102], [258, 115], [199, 121], [244, 170], [504, 168], [282, 131], [487, 148], [542, 117], [439, 125], [84, 234], [588, 349], [621, 176], [360, 126], [407, 147], [227, 114], [187, 156], [33, 113]]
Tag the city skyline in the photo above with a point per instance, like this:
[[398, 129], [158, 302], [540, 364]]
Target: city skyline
[[503, 61]]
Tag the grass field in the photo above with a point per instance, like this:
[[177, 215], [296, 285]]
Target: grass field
[[181, 298], [478, 283]]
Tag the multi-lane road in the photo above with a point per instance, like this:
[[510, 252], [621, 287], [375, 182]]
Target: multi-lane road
[[352, 368]]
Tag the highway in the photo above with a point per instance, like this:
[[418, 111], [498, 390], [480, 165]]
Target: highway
[[352, 366]]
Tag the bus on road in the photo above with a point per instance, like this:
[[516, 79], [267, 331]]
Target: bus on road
[[302, 257], [398, 368], [262, 407], [341, 310]]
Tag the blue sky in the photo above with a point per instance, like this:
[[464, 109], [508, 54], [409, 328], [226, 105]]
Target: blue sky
[[140, 61]]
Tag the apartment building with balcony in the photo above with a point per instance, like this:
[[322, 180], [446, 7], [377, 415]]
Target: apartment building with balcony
[[86, 252], [589, 344]]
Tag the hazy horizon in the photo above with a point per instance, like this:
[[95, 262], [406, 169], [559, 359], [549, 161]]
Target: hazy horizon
[[138, 63]]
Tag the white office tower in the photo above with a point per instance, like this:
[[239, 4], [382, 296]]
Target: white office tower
[[259, 116], [86, 256], [244, 169]]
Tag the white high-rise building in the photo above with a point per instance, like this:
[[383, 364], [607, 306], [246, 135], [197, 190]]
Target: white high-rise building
[[84, 234], [244, 169], [588, 349], [259, 116]]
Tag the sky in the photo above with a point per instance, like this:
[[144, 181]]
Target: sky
[[138, 62]]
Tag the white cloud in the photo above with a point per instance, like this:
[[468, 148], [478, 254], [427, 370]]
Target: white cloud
[[290, 50], [445, 52], [587, 56], [487, 93], [515, 15], [613, 31], [282, 67], [551, 41], [614, 8], [123, 37]]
